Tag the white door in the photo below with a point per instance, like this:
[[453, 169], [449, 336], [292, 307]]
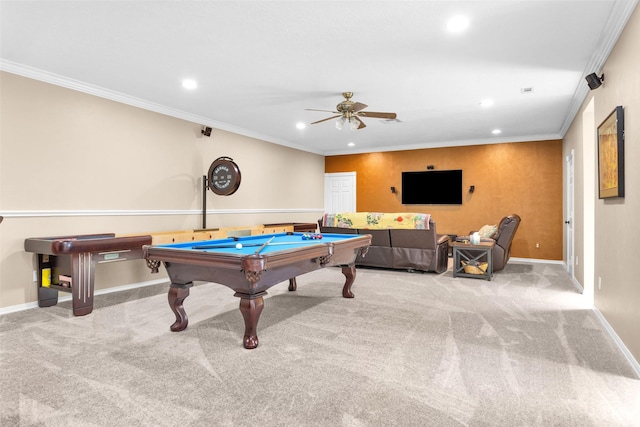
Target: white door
[[569, 215], [340, 192]]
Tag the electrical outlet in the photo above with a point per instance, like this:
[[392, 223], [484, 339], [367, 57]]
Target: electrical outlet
[[599, 283], [35, 276], [537, 245], [576, 260]]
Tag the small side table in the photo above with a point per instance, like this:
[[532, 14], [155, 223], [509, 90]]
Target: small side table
[[472, 254]]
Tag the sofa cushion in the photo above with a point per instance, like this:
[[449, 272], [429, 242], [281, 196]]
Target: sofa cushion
[[378, 237], [419, 239]]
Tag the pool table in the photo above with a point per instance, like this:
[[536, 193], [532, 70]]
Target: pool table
[[262, 262]]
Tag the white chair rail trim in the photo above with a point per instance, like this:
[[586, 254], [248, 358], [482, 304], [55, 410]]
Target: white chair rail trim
[[84, 213]]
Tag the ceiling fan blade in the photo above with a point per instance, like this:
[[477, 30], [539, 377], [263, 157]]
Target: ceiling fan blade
[[358, 106], [324, 120], [377, 115], [324, 111], [361, 125]]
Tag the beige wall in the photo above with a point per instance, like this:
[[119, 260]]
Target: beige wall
[[615, 232], [73, 163]]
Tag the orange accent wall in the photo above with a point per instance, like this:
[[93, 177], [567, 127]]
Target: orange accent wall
[[524, 178]]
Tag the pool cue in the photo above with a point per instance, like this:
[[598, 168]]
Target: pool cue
[[233, 245], [225, 245], [263, 246], [304, 242]]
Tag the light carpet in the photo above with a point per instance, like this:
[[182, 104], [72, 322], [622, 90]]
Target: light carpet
[[411, 349]]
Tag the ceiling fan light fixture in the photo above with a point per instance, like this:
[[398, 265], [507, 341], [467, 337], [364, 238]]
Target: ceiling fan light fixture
[[349, 113]]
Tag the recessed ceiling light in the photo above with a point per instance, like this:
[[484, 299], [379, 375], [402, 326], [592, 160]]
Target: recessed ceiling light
[[457, 24], [496, 131], [300, 125], [189, 84], [351, 144], [486, 102]]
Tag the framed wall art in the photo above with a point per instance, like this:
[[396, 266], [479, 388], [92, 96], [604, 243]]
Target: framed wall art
[[611, 155]]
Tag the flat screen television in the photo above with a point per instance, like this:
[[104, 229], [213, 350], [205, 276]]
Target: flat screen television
[[432, 187]]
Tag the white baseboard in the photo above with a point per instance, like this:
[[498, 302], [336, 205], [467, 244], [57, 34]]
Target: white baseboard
[[632, 361], [612, 333], [607, 327], [67, 297], [20, 307], [577, 285], [535, 260]]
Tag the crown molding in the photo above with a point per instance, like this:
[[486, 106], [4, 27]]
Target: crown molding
[[620, 14], [58, 80]]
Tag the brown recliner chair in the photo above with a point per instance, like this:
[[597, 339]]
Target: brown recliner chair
[[503, 238]]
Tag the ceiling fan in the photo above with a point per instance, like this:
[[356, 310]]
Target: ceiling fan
[[351, 112]]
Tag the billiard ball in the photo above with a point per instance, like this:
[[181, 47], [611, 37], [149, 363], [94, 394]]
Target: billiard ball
[[238, 245]]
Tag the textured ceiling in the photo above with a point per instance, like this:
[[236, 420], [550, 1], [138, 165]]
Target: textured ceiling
[[260, 64]]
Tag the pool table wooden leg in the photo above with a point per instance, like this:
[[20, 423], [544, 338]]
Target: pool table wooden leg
[[177, 294], [293, 285], [349, 272], [251, 308]]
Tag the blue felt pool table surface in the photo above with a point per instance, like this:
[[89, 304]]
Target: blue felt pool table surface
[[277, 243]]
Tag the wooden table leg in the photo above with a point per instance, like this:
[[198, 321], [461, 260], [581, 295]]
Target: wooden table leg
[[177, 294], [251, 308], [349, 272]]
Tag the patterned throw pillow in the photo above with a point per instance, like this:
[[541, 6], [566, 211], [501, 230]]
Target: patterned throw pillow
[[488, 231]]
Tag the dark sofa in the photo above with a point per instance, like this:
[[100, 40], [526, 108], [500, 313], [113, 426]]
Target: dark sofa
[[405, 249]]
